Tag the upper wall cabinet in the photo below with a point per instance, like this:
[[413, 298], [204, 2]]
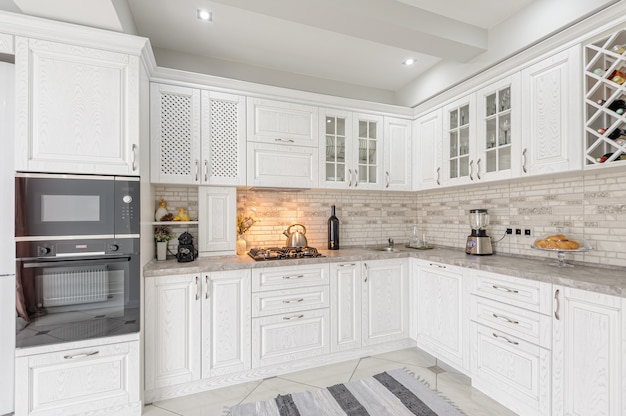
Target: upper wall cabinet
[[197, 137], [427, 155], [551, 114], [397, 154], [459, 141], [282, 144], [605, 95], [77, 109]]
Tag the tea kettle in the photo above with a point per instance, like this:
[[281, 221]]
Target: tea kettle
[[295, 238]]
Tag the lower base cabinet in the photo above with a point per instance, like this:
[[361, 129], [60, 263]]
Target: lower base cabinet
[[96, 380]]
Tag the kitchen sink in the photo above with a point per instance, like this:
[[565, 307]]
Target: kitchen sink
[[386, 249]]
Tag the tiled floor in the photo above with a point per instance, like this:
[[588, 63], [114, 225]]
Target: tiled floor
[[446, 380]]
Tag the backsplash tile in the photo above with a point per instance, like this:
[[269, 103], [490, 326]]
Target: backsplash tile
[[589, 204]]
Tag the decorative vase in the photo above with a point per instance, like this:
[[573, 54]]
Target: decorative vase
[[241, 245], [161, 250]]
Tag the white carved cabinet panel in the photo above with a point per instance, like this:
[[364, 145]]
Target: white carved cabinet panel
[[427, 151], [345, 310], [217, 207], [77, 109], [397, 154]]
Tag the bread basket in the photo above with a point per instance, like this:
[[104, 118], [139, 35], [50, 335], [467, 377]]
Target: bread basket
[[561, 243]]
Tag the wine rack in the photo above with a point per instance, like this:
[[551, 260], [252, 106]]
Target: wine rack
[[605, 120]]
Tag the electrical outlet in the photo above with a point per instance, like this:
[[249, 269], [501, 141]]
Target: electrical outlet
[[528, 232], [509, 231], [518, 231]]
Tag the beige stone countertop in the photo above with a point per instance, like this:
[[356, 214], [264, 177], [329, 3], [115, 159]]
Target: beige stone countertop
[[610, 281]]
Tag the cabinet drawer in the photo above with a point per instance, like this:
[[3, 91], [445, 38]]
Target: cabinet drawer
[[527, 294], [80, 380], [288, 277], [511, 370], [288, 337], [528, 325], [290, 300]]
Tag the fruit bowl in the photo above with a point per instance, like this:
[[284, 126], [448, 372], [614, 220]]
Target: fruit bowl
[[562, 243]]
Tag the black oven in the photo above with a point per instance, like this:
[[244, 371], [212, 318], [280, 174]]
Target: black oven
[[72, 290], [70, 206]]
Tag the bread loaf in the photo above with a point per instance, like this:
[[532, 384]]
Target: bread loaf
[[557, 242]]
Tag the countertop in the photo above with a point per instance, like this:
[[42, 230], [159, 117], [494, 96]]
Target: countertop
[[610, 281]]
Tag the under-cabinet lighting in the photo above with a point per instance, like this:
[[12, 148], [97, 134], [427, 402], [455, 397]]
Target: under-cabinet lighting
[[205, 15]]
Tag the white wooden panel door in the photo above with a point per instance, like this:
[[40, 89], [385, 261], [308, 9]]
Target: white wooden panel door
[[79, 381], [385, 301], [223, 139], [217, 206], [226, 317], [279, 122], [551, 114], [172, 330], [174, 134], [588, 354], [282, 166], [441, 315], [427, 170], [397, 154], [77, 109], [345, 307]]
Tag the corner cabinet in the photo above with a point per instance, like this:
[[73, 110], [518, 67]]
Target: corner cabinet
[[77, 109], [197, 326], [398, 162], [427, 151], [197, 136], [551, 114], [589, 346]]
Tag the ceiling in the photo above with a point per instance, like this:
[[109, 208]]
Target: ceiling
[[318, 45]]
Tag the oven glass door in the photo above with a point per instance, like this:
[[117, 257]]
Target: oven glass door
[[64, 206], [76, 299]]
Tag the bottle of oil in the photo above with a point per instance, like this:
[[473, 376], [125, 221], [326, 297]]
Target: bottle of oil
[[333, 230]]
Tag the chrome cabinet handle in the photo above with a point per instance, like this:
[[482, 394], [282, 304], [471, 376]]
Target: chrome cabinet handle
[[133, 150], [206, 287], [471, 169], [350, 176], [346, 265], [387, 179], [197, 287], [285, 140], [293, 300], [505, 289], [436, 265], [82, 355], [504, 338], [557, 306], [356, 178], [287, 318], [196, 170], [438, 176], [504, 318], [478, 169], [206, 170], [366, 272], [524, 161], [299, 276]]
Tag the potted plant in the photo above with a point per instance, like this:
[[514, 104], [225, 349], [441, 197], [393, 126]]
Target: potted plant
[[162, 234], [243, 225]]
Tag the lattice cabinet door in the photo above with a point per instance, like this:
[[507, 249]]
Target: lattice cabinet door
[[223, 139], [175, 134], [605, 105]]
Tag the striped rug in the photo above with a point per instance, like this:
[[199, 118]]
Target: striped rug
[[392, 393]]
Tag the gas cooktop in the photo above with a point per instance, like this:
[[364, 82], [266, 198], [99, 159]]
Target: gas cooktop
[[283, 253]]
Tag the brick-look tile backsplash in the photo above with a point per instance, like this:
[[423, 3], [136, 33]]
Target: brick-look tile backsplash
[[589, 204]]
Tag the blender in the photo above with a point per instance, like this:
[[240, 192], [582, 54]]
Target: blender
[[478, 242]]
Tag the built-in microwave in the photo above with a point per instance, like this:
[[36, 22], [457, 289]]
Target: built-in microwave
[[73, 206]]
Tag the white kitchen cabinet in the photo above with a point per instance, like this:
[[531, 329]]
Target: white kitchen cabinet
[[442, 311], [277, 122], [284, 166], [217, 207], [589, 346], [77, 109], [397, 154], [427, 151], [197, 326], [511, 341], [385, 301], [551, 114], [346, 309], [291, 318], [368, 151], [101, 379], [336, 150], [459, 141], [197, 136]]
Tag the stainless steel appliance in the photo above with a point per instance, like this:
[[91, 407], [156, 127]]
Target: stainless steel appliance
[[7, 247], [283, 253], [295, 238], [478, 242], [72, 290], [51, 206]]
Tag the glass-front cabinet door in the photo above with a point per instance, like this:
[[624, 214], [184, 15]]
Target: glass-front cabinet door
[[369, 148], [336, 169], [498, 130], [459, 162]]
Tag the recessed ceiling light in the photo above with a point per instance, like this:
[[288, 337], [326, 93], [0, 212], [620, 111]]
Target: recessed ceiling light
[[205, 15], [409, 61]]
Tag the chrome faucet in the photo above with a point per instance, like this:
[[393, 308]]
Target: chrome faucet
[[390, 242]]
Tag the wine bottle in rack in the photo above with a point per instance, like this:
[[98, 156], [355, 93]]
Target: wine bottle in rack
[[618, 106]]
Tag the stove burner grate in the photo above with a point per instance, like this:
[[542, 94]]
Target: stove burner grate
[[283, 253]]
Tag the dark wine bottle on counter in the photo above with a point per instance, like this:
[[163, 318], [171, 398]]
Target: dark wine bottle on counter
[[333, 230]]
